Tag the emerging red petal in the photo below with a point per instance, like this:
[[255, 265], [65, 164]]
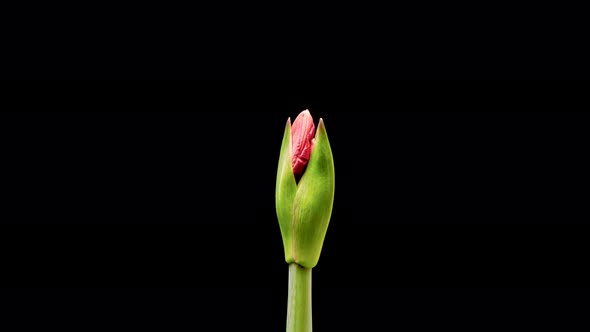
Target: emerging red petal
[[302, 135]]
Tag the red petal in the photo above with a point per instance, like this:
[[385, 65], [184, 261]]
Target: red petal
[[302, 134]]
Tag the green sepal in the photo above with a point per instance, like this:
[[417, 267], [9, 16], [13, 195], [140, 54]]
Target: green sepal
[[285, 194], [313, 202]]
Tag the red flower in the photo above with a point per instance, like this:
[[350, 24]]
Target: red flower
[[302, 140]]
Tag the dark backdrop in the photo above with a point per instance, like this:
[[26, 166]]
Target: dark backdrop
[[134, 206]]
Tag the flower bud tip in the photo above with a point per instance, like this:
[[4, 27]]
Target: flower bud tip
[[302, 134]]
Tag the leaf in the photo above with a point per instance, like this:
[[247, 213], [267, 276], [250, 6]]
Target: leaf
[[314, 199], [285, 194]]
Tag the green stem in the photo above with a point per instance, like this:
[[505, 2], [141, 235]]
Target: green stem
[[299, 300]]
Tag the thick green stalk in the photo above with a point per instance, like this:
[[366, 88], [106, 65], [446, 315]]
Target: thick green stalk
[[299, 300]]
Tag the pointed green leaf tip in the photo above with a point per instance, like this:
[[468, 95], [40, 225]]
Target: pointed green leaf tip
[[304, 209]]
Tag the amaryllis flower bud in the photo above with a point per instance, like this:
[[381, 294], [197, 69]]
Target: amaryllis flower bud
[[302, 134], [304, 208]]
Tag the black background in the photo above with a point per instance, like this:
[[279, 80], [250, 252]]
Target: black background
[[405, 40], [134, 206]]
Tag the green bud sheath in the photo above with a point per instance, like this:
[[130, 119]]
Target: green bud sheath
[[285, 194], [304, 209]]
